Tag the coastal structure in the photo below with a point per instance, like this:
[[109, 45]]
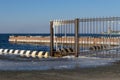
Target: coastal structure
[[24, 53], [29, 39], [79, 35], [84, 26]]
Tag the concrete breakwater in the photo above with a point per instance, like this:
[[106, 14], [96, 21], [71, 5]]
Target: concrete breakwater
[[66, 40], [24, 53], [29, 39]]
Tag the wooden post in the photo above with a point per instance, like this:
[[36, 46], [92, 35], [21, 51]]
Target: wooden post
[[76, 37], [51, 39]]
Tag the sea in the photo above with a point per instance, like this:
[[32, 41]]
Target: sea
[[67, 62], [5, 44]]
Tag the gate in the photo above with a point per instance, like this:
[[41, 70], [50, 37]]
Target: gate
[[64, 37]]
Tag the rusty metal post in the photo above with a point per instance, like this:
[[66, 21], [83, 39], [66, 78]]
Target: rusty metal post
[[51, 39], [76, 37]]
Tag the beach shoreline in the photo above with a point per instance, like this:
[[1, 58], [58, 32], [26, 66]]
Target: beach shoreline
[[110, 72]]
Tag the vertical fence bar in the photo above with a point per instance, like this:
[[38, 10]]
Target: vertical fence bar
[[51, 39], [76, 37], [117, 38]]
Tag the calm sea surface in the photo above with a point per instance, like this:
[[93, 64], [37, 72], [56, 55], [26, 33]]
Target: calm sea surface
[[4, 43]]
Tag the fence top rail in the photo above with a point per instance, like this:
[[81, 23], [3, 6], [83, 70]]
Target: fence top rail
[[58, 22], [99, 19], [63, 21]]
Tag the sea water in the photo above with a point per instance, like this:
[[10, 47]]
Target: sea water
[[68, 62], [4, 43]]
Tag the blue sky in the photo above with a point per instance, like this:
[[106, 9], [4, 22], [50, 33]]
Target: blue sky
[[33, 16]]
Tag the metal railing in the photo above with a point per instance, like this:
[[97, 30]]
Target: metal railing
[[90, 36]]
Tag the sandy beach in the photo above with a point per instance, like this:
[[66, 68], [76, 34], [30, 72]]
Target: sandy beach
[[111, 72]]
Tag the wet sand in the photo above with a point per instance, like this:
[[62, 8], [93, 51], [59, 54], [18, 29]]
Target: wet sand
[[99, 73]]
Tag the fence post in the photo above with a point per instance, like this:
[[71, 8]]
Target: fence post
[[51, 39], [76, 37]]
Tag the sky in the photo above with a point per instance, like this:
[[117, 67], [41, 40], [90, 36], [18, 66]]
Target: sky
[[33, 16]]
